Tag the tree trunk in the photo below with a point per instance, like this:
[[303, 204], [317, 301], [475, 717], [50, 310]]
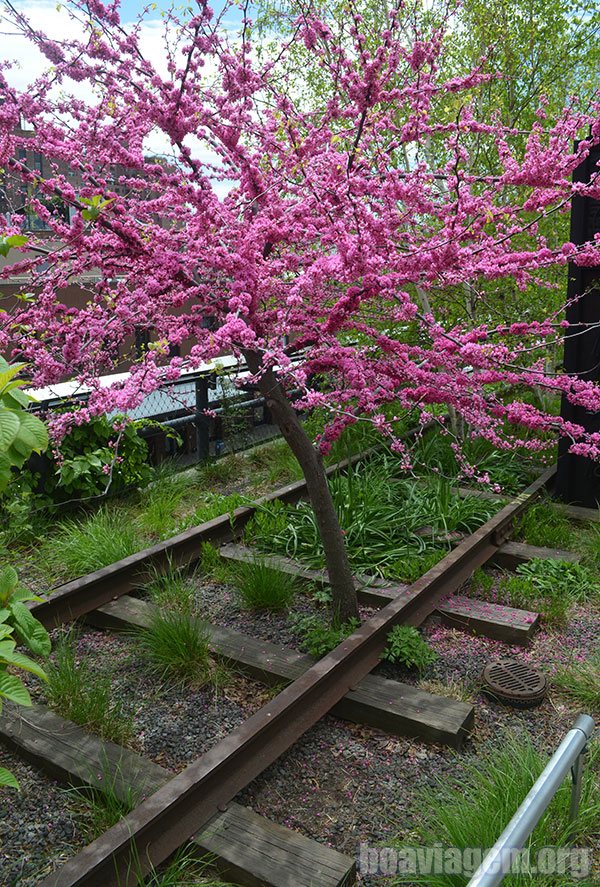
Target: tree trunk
[[344, 603]]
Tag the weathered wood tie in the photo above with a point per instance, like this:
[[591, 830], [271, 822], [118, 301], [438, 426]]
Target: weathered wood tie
[[247, 848], [386, 705], [511, 554], [490, 620]]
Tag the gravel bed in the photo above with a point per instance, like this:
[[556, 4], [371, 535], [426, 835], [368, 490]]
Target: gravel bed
[[342, 784], [39, 828], [173, 723]]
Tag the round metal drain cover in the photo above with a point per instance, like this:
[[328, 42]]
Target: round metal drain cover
[[515, 683]]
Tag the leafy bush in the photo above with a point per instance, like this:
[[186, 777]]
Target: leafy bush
[[261, 587], [176, 645], [103, 449], [79, 693], [82, 546], [406, 647], [318, 637]]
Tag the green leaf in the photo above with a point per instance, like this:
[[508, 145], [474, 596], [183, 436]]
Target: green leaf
[[14, 689], [7, 780], [29, 631], [9, 428], [16, 240], [8, 581], [33, 432], [11, 657]]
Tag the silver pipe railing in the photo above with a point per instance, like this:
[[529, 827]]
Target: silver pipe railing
[[569, 756]]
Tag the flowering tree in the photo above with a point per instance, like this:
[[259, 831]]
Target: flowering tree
[[325, 224]]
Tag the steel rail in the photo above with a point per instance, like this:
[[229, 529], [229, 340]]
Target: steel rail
[[173, 814]]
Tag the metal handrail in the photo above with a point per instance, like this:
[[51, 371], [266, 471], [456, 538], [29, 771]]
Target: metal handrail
[[568, 756]]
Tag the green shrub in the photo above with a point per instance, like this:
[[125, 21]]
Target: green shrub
[[79, 693], [176, 645], [260, 587], [406, 647], [16, 619], [472, 811], [84, 545], [318, 637]]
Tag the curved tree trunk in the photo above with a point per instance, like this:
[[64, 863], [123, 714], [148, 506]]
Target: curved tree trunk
[[345, 605]]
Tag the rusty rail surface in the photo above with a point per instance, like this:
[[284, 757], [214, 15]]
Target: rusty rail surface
[[173, 814]]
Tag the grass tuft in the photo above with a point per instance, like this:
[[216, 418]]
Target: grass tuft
[[78, 692], [544, 526], [176, 646], [161, 502], [101, 809], [581, 683], [260, 587], [473, 813], [87, 544], [172, 589]]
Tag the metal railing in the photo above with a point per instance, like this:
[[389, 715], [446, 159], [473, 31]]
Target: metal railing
[[570, 755]]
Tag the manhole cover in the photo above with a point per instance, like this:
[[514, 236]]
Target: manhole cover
[[514, 682]]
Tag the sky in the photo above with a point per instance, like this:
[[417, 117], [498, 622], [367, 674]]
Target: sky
[[50, 18]]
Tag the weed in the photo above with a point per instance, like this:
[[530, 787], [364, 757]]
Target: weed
[[185, 870], [481, 582], [406, 647], [473, 812], [79, 693], [575, 581], [387, 521], [84, 545], [214, 506], [318, 637], [260, 587], [172, 589], [277, 460], [101, 809], [542, 525], [176, 645], [453, 688], [219, 471], [413, 566], [210, 559], [520, 592], [581, 682], [161, 501], [588, 544]]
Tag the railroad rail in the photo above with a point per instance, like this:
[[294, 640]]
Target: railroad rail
[[183, 805]]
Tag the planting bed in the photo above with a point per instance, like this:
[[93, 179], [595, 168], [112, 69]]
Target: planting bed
[[344, 783]]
